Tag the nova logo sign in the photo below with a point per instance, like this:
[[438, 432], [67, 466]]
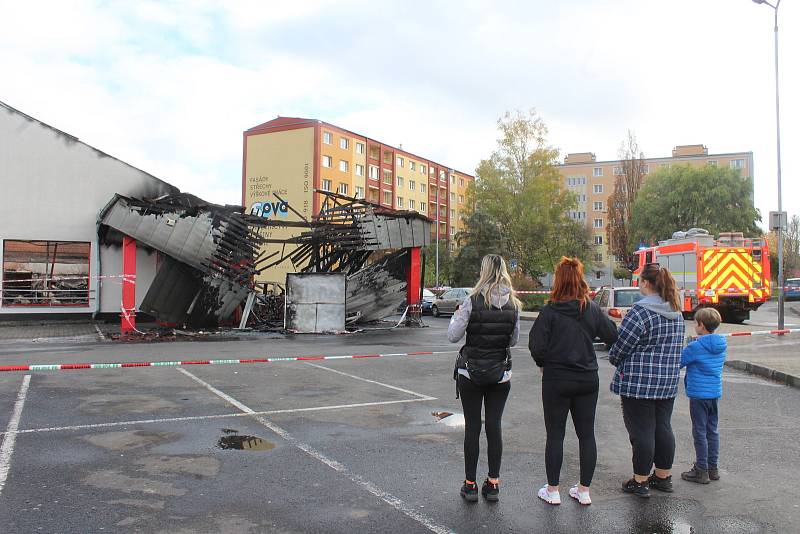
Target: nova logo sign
[[270, 209]]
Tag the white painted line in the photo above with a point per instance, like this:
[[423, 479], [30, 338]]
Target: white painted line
[[7, 449], [386, 497], [100, 333], [207, 417], [369, 381]]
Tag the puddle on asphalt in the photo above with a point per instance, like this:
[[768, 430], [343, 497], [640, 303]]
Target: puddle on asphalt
[[669, 527], [449, 419], [234, 441]]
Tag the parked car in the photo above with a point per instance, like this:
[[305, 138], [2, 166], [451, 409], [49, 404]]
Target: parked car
[[617, 301], [449, 301], [792, 289], [427, 300]]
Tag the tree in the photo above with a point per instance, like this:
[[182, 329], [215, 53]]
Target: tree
[[718, 199], [620, 203], [445, 264], [518, 188], [480, 236], [791, 250]]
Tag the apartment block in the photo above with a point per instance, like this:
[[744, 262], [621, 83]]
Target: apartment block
[[592, 182], [295, 156]]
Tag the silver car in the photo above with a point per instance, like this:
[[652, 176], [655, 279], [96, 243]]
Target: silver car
[[449, 301], [617, 301]]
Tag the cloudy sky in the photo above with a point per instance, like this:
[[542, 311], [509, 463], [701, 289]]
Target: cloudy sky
[[169, 86]]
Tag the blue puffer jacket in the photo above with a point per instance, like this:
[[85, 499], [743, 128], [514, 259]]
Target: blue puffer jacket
[[704, 360]]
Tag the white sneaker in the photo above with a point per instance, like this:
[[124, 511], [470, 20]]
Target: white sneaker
[[549, 498], [580, 496]]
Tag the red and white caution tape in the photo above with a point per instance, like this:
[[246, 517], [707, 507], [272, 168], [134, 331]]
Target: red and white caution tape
[[126, 365], [783, 332]]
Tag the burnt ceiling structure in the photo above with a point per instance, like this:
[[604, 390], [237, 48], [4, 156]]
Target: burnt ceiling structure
[[214, 253]]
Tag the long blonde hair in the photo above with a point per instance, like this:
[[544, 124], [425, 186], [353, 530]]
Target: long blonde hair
[[494, 275]]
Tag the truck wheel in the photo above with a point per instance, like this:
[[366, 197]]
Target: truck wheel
[[736, 317]]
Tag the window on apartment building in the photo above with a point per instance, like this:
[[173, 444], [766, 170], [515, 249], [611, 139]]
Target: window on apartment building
[[434, 190], [423, 207], [442, 177], [359, 170], [399, 182], [344, 143], [598, 188], [400, 161], [597, 171], [359, 148], [597, 205], [387, 176], [359, 192], [461, 182], [737, 164], [431, 171], [423, 187], [598, 223], [344, 189], [326, 185], [422, 169], [344, 166], [327, 161], [387, 198], [598, 258], [666, 165], [452, 231], [412, 205], [373, 195], [373, 172], [374, 152], [411, 165], [387, 157], [598, 240], [452, 214], [712, 162], [45, 273], [452, 179], [412, 185], [327, 138], [618, 171], [460, 199], [399, 202], [452, 197], [645, 169]]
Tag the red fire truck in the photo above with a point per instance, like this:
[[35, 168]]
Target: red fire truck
[[730, 273]]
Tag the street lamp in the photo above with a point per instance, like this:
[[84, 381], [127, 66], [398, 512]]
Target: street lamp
[[778, 134]]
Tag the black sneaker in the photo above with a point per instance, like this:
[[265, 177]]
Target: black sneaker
[[640, 489], [490, 491], [713, 473], [469, 491], [695, 474], [660, 484]]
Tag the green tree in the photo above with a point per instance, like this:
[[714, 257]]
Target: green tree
[[627, 184], [445, 264], [518, 187], [718, 199], [791, 250], [480, 236]]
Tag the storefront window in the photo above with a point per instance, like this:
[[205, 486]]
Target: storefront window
[[45, 273]]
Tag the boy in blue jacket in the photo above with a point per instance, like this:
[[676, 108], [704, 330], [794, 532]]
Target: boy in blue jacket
[[704, 360]]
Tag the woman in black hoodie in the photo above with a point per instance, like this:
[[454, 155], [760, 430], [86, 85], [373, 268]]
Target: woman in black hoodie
[[562, 344]]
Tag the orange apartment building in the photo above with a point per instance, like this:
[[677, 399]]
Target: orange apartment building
[[592, 182], [294, 156]]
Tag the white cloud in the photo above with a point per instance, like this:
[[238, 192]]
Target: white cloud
[[170, 86]]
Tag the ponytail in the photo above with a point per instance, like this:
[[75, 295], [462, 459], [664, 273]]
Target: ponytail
[[667, 289], [663, 282]]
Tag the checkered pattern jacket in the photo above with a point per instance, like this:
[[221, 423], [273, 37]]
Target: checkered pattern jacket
[[647, 355]]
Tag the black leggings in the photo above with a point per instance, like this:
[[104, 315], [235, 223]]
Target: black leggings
[[649, 424], [560, 397], [472, 398]]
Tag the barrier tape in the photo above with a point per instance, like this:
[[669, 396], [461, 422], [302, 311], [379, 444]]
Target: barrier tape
[[783, 332]]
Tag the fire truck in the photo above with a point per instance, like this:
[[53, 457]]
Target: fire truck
[[730, 273]]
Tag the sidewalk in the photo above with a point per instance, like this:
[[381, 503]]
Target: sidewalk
[[55, 331]]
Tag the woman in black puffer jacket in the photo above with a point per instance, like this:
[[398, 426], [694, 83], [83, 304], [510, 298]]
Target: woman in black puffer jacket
[[562, 344]]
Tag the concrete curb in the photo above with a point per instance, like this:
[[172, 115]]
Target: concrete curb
[[766, 372]]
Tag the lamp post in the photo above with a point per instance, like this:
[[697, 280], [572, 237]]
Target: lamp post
[[778, 135]]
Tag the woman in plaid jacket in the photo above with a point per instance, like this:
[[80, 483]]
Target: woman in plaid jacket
[[647, 355]]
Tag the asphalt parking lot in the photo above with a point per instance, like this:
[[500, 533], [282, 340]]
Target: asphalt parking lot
[[344, 445]]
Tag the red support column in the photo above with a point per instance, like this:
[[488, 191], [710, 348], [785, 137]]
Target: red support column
[[128, 317], [414, 282]]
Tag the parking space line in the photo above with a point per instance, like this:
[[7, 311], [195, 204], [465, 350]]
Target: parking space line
[[420, 395], [208, 417], [386, 497], [7, 449]]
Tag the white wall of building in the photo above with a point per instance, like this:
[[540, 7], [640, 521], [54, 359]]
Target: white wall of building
[[53, 187]]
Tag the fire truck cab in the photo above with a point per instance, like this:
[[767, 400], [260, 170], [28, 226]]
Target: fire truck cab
[[730, 273]]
